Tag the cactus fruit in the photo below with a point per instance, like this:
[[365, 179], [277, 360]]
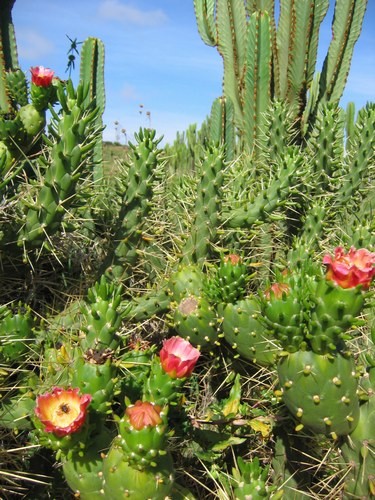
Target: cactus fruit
[[246, 334], [320, 391], [137, 464]]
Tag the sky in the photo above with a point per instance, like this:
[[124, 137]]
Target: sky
[[158, 71]]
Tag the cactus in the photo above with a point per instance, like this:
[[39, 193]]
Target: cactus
[[135, 206], [72, 139], [262, 62], [92, 73], [246, 334]]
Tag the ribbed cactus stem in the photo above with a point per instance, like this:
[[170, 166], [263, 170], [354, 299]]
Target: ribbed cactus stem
[[92, 73], [207, 208], [136, 204], [8, 52], [73, 136], [267, 201]]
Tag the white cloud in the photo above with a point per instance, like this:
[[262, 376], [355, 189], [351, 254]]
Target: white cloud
[[32, 45], [118, 11]]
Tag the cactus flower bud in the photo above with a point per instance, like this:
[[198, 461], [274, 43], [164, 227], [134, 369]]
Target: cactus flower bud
[[63, 411], [41, 76], [277, 290], [178, 357], [350, 269], [143, 414]]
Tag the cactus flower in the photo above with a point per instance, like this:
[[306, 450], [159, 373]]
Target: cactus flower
[[41, 76], [63, 411], [277, 290], [233, 258], [143, 414], [178, 357], [350, 269]]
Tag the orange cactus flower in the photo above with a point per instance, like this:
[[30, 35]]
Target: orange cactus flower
[[277, 290], [63, 411], [350, 269], [41, 76], [178, 357], [233, 258], [143, 414]]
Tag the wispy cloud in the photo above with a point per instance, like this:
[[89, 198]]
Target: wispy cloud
[[32, 45], [125, 13], [129, 93]]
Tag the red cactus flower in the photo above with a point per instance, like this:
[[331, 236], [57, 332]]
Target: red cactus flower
[[143, 414], [41, 76], [178, 357], [277, 290], [63, 411], [350, 269]]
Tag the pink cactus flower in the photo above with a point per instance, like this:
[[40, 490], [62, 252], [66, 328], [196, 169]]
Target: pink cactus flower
[[63, 411], [350, 269], [41, 76], [143, 414], [178, 357]]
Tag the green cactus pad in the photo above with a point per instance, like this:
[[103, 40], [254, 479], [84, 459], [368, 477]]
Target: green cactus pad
[[333, 313], [121, 481], [246, 334], [320, 391], [95, 374], [32, 120], [358, 452], [195, 320], [84, 473], [186, 280]]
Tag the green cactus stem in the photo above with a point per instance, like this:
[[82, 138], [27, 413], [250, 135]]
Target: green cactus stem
[[73, 136], [102, 316], [246, 334], [92, 73], [135, 205], [8, 52], [358, 452], [195, 319], [207, 208], [121, 480], [264, 204]]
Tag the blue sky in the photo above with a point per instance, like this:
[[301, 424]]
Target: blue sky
[[155, 58]]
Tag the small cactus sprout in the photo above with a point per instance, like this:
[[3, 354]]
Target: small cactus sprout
[[356, 267], [62, 411], [178, 357]]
